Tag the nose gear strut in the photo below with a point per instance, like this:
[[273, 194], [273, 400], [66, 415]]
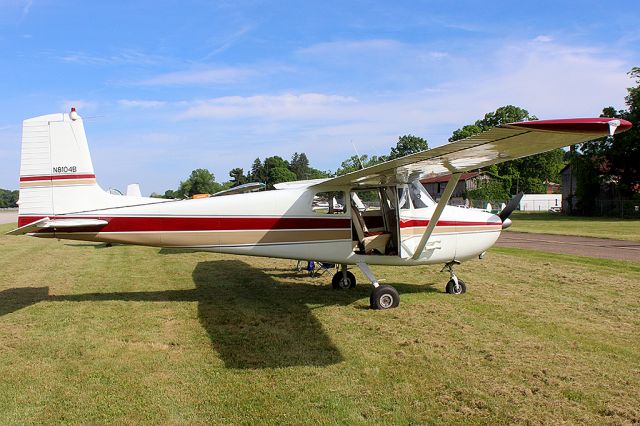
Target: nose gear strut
[[455, 285]]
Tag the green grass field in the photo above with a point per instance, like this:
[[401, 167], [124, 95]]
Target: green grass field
[[141, 335], [555, 223]]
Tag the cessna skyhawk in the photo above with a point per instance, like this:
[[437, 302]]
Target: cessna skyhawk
[[380, 215]]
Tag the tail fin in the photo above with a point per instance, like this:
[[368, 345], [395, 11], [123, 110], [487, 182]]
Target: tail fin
[[56, 173]]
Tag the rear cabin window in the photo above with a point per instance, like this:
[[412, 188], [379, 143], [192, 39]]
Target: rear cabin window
[[329, 202], [367, 199]]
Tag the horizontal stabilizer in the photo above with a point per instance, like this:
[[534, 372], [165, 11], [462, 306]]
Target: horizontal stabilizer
[[47, 223], [241, 189], [30, 227]]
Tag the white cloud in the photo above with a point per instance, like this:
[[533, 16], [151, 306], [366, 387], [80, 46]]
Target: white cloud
[[124, 56], [286, 106], [213, 75], [229, 41], [336, 47], [543, 39], [138, 103]]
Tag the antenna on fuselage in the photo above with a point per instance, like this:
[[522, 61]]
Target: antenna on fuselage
[[357, 154]]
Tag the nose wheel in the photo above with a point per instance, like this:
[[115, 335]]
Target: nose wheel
[[455, 285], [456, 288]]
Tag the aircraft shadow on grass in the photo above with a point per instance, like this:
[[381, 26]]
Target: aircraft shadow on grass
[[253, 321]]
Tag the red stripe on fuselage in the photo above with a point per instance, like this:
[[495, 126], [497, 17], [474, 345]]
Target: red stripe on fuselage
[[412, 223], [55, 177], [130, 224]]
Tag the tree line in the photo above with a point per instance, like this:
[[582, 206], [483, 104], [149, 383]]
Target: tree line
[[275, 169], [610, 164], [8, 198]]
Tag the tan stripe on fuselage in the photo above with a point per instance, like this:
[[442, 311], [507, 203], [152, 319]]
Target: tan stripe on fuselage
[[61, 182], [210, 238]]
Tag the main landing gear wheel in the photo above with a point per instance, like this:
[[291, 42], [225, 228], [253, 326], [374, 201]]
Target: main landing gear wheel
[[340, 282], [452, 288], [384, 297]]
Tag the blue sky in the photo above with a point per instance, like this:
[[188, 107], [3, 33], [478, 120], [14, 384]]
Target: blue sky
[[167, 87]]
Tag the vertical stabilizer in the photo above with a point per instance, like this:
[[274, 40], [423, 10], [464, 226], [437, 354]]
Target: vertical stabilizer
[[56, 173]]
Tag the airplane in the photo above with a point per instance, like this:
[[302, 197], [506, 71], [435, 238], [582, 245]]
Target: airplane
[[380, 215]]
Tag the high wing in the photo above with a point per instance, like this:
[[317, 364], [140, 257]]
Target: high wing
[[503, 143]]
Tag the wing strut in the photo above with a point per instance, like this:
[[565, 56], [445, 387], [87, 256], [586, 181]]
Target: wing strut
[[446, 196]]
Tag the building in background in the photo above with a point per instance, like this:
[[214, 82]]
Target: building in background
[[541, 203], [435, 186]]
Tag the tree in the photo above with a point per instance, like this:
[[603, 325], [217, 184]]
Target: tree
[[201, 181], [524, 174], [408, 144], [299, 165], [278, 175], [8, 198], [465, 132], [273, 170], [503, 115], [258, 173], [237, 176], [492, 190], [618, 159], [354, 163]]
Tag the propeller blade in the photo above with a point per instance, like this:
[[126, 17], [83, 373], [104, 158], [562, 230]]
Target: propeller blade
[[510, 207]]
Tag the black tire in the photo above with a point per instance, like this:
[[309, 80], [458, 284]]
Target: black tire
[[462, 287], [384, 297], [339, 283]]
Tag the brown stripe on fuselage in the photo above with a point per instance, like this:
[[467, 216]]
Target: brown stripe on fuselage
[[209, 238]]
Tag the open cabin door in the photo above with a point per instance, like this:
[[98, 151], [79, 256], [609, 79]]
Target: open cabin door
[[374, 218]]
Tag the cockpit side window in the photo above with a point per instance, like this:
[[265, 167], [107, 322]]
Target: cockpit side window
[[328, 202]]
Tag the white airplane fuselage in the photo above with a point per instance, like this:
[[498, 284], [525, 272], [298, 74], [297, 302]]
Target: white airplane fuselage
[[279, 223]]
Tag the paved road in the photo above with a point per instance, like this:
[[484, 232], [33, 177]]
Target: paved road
[[8, 217], [580, 246]]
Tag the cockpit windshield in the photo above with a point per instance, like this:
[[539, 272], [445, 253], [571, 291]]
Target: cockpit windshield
[[419, 196]]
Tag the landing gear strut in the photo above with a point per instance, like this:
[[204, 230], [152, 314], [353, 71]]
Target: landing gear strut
[[455, 285], [382, 296]]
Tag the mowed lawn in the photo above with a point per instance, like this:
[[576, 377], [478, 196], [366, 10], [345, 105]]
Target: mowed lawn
[[140, 335], [555, 223]]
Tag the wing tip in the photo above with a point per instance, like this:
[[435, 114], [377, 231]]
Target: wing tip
[[598, 125]]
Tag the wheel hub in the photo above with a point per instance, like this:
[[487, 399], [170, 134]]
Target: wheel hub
[[386, 301]]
